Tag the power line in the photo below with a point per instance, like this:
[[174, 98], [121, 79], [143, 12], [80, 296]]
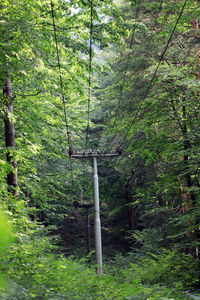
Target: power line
[[121, 90], [155, 72], [62, 91], [49, 12], [89, 79]]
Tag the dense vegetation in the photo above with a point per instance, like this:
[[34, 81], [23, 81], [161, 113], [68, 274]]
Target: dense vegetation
[[99, 76]]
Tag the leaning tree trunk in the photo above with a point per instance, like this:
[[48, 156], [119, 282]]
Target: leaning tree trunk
[[188, 196], [10, 137], [131, 209]]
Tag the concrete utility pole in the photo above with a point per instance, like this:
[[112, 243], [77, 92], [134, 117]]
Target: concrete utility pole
[[98, 243]]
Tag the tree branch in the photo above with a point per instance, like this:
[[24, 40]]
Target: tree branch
[[30, 95]]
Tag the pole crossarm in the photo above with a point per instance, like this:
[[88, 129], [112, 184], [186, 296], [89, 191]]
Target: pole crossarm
[[83, 155]]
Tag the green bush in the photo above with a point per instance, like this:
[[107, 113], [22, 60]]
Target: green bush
[[170, 268], [5, 239], [35, 271]]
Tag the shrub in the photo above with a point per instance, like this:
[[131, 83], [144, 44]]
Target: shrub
[[170, 268]]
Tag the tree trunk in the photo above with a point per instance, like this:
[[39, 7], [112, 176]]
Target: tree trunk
[[10, 137], [189, 196], [195, 25], [186, 157], [131, 209]]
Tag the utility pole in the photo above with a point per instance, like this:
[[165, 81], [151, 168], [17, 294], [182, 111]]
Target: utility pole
[[98, 243]]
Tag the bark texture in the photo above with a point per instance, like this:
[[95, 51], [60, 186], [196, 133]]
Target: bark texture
[[10, 137]]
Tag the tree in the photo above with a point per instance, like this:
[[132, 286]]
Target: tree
[[151, 100], [10, 136], [29, 55]]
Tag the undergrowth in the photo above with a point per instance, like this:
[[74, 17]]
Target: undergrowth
[[33, 270]]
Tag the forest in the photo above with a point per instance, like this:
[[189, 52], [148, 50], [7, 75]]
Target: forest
[[99, 149]]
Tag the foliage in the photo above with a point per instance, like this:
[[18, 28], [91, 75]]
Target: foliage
[[36, 273], [143, 101], [5, 239], [170, 268], [154, 111]]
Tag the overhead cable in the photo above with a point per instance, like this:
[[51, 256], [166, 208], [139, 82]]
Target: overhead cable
[[155, 72], [121, 89], [62, 90], [90, 74]]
